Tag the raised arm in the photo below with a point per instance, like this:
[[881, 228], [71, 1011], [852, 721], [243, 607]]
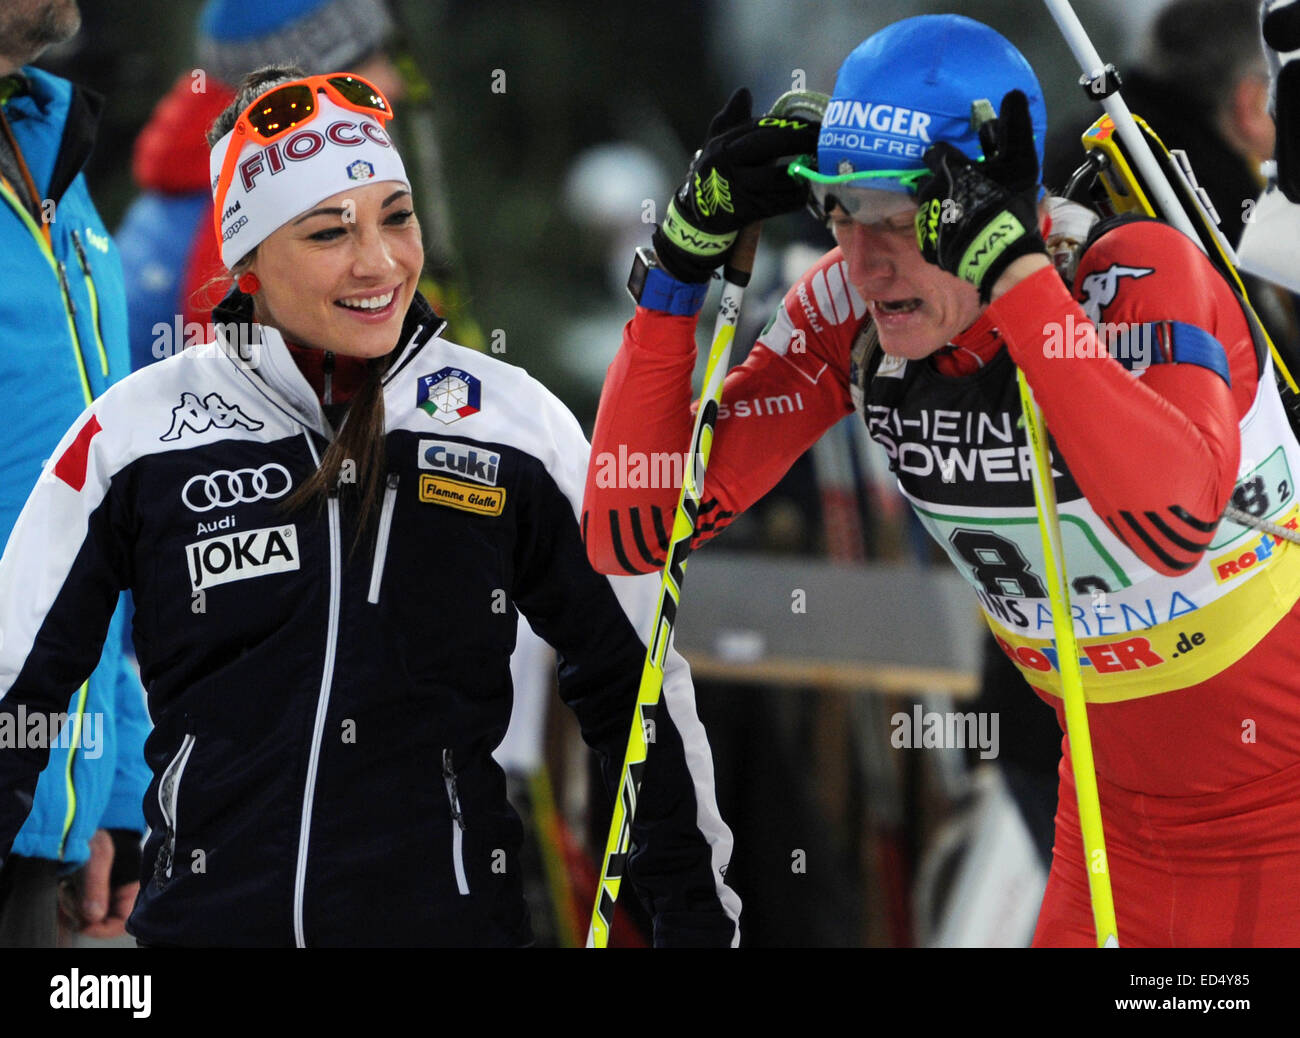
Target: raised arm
[[642, 436], [791, 388]]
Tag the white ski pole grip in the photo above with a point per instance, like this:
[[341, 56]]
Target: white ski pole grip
[[1096, 71]]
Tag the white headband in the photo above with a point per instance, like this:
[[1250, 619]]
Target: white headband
[[336, 151]]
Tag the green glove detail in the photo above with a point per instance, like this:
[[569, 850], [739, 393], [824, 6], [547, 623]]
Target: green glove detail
[[975, 219], [735, 180]]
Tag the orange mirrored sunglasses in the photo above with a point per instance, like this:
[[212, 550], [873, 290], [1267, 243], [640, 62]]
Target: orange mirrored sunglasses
[[286, 107]]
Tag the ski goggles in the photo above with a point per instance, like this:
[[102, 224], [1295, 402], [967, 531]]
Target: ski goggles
[[870, 197], [285, 108]]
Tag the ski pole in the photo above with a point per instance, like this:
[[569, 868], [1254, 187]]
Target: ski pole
[[618, 844], [1067, 650], [1164, 204], [735, 279], [1101, 78], [1067, 653]]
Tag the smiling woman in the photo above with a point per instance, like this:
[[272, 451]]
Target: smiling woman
[[339, 278], [331, 519]]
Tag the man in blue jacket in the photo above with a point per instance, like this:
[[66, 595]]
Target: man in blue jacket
[[63, 341]]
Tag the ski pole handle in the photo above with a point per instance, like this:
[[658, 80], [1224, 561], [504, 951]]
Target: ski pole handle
[[1076, 38], [741, 265]]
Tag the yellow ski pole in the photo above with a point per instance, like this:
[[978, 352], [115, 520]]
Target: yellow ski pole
[[1067, 652], [618, 845], [795, 103]]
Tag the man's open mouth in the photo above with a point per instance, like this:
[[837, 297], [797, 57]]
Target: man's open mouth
[[896, 306]]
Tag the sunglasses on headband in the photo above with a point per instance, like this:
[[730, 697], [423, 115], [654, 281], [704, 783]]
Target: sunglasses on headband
[[286, 107]]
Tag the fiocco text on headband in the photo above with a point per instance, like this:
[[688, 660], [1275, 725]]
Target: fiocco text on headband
[[304, 144]]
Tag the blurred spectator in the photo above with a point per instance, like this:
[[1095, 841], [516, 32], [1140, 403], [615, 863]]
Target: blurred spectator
[[1202, 85], [63, 318]]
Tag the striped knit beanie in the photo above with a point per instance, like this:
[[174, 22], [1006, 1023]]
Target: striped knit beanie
[[238, 36]]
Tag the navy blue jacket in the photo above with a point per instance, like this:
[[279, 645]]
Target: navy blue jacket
[[326, 702]]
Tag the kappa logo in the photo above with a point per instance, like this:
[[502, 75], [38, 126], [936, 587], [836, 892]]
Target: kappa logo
[[200, 416], [234, 228], [1099, 289], [242, 556], [471, 462], [449, 394]]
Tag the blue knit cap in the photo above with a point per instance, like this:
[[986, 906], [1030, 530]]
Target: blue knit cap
[[238, 36], [911, 85]]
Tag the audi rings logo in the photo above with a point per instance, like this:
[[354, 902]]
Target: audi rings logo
[[226, 488]]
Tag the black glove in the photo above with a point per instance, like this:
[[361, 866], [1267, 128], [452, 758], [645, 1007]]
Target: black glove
[[1282, 35], [975, 218], [126, 858], [734, 181]]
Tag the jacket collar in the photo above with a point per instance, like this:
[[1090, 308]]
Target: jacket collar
[[60, 121], [260, 352]]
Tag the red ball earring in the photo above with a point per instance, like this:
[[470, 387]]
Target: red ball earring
[[248, 283]]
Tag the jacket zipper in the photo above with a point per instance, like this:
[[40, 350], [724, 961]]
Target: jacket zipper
[[70, 312], [56, 265], [457, 823], [169, 792], [381, 542], [71, 787], [322, 706], [95, 321]]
